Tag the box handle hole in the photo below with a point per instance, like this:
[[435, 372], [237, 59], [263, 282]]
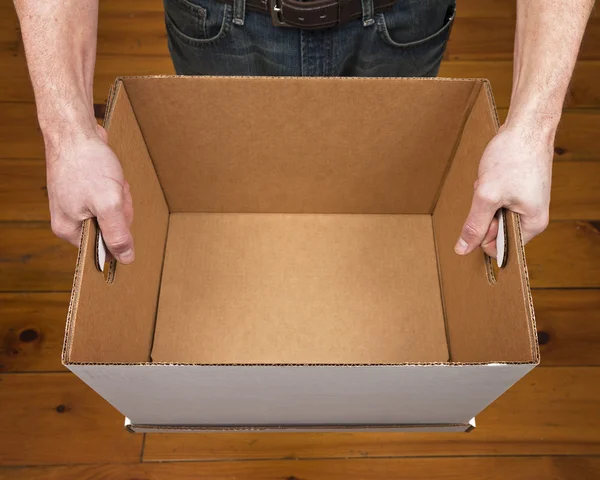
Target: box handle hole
[[105, 263], [492, 268]]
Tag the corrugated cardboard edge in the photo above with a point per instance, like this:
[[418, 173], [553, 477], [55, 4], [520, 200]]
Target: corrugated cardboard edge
[[324, 365], [308, 79], [429, 427], [83, 242], [520, 249]]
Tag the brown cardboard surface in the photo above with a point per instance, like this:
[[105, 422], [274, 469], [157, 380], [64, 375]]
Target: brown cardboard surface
[[114, 323], [293, 288], [300, 145], [485, 322]]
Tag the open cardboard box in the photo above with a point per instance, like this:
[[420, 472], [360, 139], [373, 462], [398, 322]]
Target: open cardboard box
[[294, 259]]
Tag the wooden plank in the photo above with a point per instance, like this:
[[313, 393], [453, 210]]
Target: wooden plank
[[551, 411], [23, 193], [139, 30], [575, 191], [568, 323], [20, 135], [584, 90], [33, 259], [566, 255], [15, 85], [493, 39], [10, 33], [54, 418], [488, 468], [32, 327]]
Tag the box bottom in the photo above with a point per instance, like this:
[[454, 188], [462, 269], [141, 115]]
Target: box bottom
[[300, 288]]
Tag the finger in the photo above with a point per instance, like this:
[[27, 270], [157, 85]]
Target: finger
[[102, 133], [66, 229], [489, 241], [478, 222], [532, 226], [117, 237]]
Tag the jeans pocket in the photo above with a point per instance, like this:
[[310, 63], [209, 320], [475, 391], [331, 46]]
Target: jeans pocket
[[410, 24], [197, 22]]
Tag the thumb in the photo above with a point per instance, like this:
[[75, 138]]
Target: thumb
[[102, 133], [477, 224], [116, 234]]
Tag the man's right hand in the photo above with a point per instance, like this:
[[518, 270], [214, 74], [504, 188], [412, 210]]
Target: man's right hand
[[85, 180]]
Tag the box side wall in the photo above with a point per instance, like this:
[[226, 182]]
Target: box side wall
[[115, 322], [300, 145], [296, 289], [300, 395], [485, 321]]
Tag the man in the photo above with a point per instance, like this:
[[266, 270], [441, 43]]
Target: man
[[288, 37]]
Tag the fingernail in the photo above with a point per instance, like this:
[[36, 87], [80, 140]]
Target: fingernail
[[126, 257], [461, 247]]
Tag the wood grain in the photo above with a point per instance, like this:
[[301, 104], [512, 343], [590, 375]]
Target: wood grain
[[491, 468], [568, 322], [32, 327], [551, 411], [584, 90], [20, 136], [33, 259], [10, 33], [566, 255], [54, 418], [23, 193], [575, 191]]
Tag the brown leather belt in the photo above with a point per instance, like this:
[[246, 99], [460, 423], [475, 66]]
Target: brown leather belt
[[312, 14]]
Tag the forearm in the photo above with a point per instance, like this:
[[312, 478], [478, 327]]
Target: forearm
[[547, 40], [60, 45]]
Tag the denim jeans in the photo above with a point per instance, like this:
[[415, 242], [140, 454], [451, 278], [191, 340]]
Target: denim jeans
[[207, 37]]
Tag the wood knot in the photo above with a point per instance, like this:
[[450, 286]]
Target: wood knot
[[543, 338], [28, 335]]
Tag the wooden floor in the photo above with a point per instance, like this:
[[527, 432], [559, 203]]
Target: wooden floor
[[52, 426]]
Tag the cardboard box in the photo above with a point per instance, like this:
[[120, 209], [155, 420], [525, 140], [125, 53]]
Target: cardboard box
[[294, 259]]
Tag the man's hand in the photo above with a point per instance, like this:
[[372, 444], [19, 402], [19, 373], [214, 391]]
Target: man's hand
[[85, 180], [515, 172]]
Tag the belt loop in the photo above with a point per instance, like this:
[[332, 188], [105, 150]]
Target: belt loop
[[239, 11], [367, 12]]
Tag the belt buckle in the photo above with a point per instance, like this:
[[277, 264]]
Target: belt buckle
[[275, 7]]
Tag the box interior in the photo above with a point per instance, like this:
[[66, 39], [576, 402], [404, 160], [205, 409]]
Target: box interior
[[300, 221]]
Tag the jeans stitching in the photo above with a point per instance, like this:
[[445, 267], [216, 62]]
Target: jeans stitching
[[201, 42]]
